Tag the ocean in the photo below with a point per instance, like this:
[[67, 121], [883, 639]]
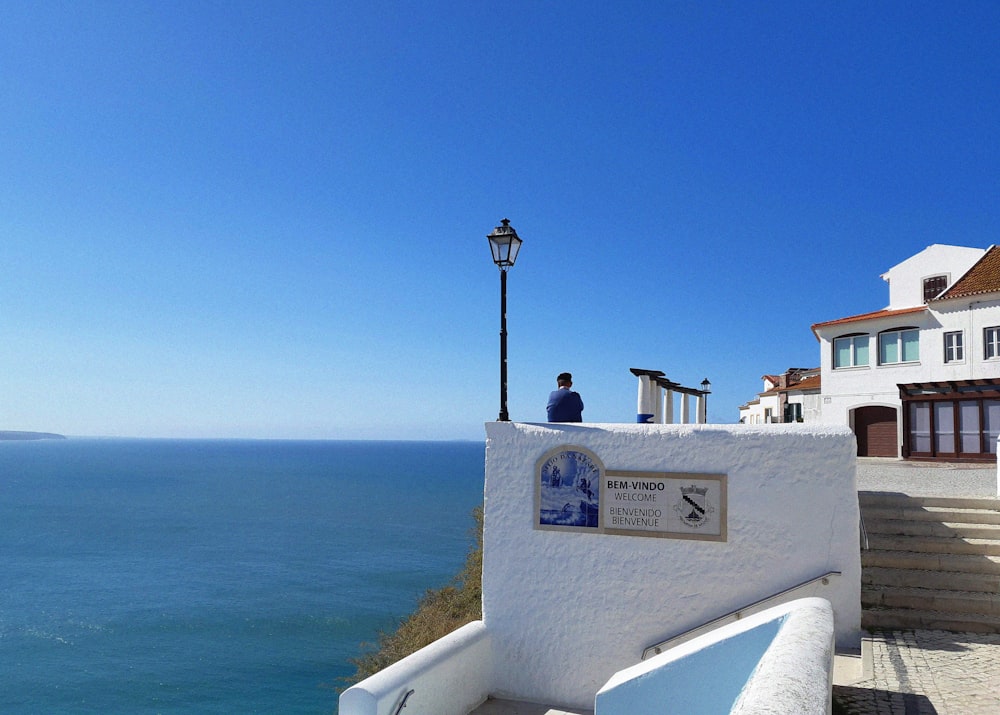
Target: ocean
[[216, 576]]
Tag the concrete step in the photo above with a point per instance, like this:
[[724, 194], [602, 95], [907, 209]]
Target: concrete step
[[965, 563], [895, 618], [927, 599], [931, 562], [890, 499], [939, 514], [934, 544], [918, 578], [933, 528]]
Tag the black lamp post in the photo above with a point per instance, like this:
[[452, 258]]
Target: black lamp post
[[504, 243], [706, 388]]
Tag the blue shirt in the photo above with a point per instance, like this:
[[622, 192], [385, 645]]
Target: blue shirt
[[565, 406]]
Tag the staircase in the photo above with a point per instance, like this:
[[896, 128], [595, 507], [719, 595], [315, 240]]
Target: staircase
[[931, 562]]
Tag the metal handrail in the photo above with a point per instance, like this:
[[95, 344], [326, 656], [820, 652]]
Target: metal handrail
[[749, 610], [403, 703]]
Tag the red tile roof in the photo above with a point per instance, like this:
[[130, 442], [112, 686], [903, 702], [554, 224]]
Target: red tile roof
[[886, 313], [809, 383], [983, 277]]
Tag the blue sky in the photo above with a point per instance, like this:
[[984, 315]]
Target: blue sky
[[268, 219]]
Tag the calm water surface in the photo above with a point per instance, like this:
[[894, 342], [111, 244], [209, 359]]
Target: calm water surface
[[182, 576]]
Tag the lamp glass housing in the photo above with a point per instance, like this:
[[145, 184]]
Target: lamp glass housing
[[504, 243]]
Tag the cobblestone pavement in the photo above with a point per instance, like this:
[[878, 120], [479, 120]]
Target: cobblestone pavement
[[925, 672], [927, 478]]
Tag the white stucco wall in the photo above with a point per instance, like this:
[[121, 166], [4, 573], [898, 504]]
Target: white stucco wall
[[906, 279], [812, 407], [969, 315], [566, 610]]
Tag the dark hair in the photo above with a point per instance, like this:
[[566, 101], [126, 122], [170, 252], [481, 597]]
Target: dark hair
[[564, 378]]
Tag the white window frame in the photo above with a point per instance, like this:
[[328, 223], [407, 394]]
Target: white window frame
[[991, 343], [898, 333], [854, 351], [954, 349]]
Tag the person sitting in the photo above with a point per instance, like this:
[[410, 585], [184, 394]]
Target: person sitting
[[565, 405]]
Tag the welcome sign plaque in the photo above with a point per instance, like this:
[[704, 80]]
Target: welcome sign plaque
[[574, 492], [680, 505]]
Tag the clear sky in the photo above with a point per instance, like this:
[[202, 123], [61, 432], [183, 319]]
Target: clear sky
[[269, 219]]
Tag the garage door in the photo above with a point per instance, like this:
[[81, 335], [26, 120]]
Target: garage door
[[875, 429]]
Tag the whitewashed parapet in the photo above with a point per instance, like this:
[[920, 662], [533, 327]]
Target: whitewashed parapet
[[796, 673], [570, 597], [451, 676], [776, 662], [567, 608]]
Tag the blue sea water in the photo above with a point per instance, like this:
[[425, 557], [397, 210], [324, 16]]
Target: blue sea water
[[187, 576]]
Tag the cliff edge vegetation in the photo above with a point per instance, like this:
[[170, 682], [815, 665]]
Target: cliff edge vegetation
[[439, 612]]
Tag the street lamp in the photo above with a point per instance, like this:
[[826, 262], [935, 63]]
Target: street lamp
[[504, 243], [706, 388]]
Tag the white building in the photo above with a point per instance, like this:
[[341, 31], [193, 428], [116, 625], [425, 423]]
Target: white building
[[921, 377], [793, 396]]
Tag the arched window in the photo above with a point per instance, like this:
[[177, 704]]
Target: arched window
[[850, 351], [899, 345]]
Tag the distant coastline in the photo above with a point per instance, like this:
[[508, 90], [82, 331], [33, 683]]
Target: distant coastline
[[11, 435]]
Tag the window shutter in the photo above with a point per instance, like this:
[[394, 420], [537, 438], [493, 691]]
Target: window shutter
[[934, 286]]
